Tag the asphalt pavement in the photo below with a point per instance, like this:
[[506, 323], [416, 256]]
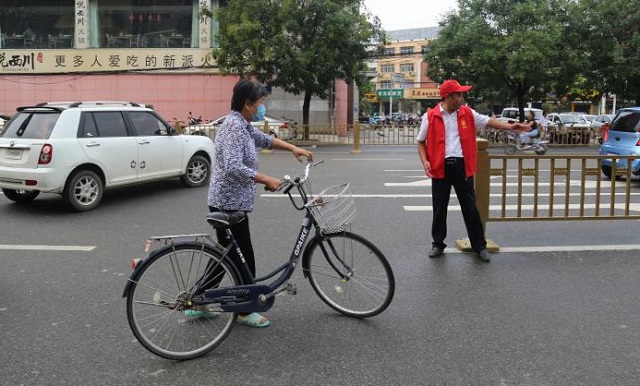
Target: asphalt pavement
[[566, 315]]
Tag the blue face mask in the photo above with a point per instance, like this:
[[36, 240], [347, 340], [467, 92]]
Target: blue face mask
[[259, 116]]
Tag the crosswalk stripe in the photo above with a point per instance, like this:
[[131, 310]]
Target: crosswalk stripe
[[541, 207], [65, 248]]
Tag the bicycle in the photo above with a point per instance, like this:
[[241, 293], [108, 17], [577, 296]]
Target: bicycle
[[193, 275]]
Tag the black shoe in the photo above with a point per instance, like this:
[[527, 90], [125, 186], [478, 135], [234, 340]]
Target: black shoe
[[484, 256], [436, 252]]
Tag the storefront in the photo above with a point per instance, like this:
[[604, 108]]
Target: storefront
[[156, 52]]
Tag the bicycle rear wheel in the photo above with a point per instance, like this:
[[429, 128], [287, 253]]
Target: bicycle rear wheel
[[159, 308], [350, 274]]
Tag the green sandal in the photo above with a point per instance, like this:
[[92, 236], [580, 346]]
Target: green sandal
[[201, 314], [254, 320]]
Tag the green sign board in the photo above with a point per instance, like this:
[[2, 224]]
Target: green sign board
[[388, 93]]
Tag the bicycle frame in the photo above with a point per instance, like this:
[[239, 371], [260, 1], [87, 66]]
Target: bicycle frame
[[256, 297]]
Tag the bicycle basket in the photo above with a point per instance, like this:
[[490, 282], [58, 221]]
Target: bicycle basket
[[333, 208]]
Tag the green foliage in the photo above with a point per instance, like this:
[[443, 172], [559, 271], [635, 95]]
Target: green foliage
[[612, 43], [301, 46], [507, 48]]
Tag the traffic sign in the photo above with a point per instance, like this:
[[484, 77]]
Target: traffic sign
[[388, 93]]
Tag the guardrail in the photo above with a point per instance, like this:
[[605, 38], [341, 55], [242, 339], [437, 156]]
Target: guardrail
[[364, 134], [557, 187]]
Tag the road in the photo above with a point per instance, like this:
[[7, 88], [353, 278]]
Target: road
[[557, 306]]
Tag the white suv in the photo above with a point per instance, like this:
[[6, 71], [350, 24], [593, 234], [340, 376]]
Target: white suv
[[79, 149], [512, 114]]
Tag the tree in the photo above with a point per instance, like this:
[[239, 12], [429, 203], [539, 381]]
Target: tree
[[612, 46], [301, 46], [515, 48]]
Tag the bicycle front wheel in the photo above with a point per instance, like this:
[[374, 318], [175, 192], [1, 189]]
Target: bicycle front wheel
[[160, 310], [350, 274]]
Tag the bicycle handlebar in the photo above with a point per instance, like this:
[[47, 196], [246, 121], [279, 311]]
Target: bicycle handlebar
[[289, 183], [301, 179]]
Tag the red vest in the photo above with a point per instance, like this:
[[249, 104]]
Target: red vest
[[436, 138]]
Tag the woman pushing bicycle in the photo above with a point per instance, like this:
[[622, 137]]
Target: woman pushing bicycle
[[235, 171]]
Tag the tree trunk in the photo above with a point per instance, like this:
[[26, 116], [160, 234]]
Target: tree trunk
[[305, 114], [520, 95]]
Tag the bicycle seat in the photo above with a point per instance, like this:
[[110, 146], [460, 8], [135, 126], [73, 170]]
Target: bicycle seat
[[225, 219]]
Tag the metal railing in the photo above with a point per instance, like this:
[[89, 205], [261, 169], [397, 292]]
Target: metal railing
[[554, 187], [399, 134]]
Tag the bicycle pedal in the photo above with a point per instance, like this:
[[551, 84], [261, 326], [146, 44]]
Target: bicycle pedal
[[291, 289]]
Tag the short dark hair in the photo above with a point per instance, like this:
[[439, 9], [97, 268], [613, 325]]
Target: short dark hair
[[246, 90]]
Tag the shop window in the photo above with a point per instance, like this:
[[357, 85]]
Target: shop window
[[29, 24], [145, 23]]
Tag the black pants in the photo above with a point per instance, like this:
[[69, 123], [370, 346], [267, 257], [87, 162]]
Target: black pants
[[454, 175], [243, 237]]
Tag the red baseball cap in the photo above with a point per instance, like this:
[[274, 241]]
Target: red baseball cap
[[450, 86]]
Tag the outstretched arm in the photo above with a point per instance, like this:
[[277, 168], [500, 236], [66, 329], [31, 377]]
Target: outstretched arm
[[517, 126]]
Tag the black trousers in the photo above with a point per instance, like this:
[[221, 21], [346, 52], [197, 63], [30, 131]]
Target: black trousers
[[454, 176], [243, 237]]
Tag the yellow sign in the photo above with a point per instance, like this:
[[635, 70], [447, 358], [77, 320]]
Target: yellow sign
[[103, 60], [421, 93], [371, 97]]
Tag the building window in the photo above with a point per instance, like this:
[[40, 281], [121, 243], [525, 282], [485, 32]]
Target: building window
[[144, 23], [406, 50], [389, 51], [385, 84], [387, 68], [424, 49], [407, 67], [33, 24]]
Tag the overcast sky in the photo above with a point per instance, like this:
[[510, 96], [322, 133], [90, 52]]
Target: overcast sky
[[403, 14]]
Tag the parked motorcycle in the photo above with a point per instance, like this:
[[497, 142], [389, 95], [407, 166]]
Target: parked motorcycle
[[193, 120], [514, 143]]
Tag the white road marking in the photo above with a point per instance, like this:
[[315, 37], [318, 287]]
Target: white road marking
[[68, 248], [428, 195], [367, 159], [541, 207], [558, 248], [276, 195], [588, 184]]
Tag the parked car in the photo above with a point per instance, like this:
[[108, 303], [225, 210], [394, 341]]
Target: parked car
[[624, 140], [79, 149], [567, 128], [601, 119], [512, 114], [586, 118], [278, 127]]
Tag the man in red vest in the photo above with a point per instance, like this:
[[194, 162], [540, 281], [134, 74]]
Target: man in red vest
[[447, 149]]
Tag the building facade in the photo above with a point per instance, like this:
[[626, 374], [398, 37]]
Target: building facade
[[400, 74], [155, 52]]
